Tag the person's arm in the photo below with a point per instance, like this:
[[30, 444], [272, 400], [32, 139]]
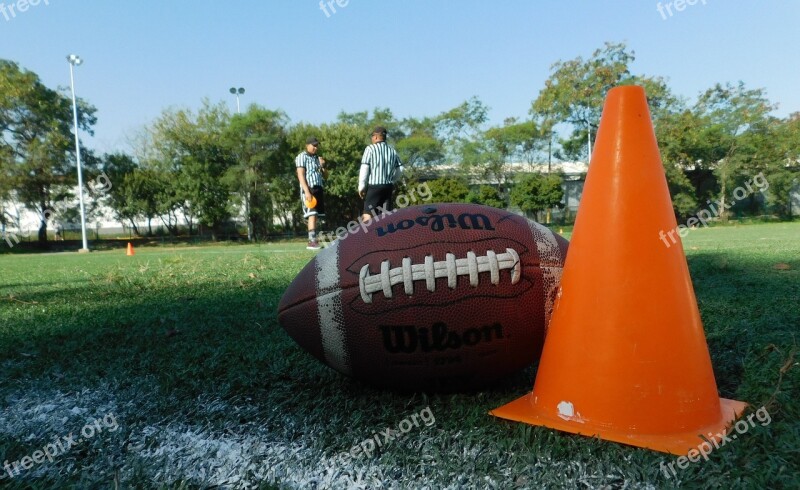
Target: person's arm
[[363, 174], [301, 176], [398, 170], [323, 168]]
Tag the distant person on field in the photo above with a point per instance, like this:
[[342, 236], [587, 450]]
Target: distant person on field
[[380, 169], [311, 174]]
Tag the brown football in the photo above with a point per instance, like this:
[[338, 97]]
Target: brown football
[[434, 297]]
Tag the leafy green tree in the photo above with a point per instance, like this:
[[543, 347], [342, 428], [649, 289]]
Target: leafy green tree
[[783, 172], [536, 192], [462, 130], [285, 193], [448, 189], [519, 142], [488, 196], [380, 117], [513, 143], [343, 147], [737, 118], [190, 148], [683, 141], [36, 142], [421, 149], [119, 168], [257, 139], [575, 92]]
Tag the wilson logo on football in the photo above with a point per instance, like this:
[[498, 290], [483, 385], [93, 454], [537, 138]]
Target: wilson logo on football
[[405, 339], [451, 268], [439, 222]]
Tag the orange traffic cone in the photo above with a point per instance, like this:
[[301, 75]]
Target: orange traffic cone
[[130, 249], [625, 357]]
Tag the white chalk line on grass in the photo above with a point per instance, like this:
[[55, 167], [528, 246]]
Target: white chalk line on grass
[[239, 455]]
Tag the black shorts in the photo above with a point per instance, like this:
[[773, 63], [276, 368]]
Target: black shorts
[[378, 195], [319, 195]]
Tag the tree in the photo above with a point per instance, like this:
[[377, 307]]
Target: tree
[[342, 147], [462, 129], [783, 173], [519, 142], [682, 142], [737, 118], [36, 143], [190, 149], [421, 149], [448, 189], [488, 196], [285, 194], [514, 142], [575, 92], [536, 192], [257, 138], [119, 168]]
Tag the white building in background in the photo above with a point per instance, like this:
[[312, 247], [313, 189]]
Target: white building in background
[[25, 223], [574, 175]]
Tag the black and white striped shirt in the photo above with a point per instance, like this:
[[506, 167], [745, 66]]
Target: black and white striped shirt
[[312, 166], [383, 162]]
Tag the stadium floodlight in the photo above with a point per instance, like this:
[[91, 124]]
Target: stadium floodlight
[[75, 60], [237, 92]]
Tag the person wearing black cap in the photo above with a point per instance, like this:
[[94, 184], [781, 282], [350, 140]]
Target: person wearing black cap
[[380, 169], [311, 174]]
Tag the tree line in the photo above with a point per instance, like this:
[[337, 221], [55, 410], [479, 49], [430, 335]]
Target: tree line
[[193, 168]]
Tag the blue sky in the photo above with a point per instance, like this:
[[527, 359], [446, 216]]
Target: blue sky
[[415, 57]]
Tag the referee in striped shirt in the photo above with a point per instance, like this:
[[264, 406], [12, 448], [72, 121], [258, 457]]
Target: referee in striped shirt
[[311, 173], [380, 169]]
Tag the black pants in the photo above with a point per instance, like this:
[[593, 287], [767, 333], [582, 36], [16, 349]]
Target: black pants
[[378, 196]]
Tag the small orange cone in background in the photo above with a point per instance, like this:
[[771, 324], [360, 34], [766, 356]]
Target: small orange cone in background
[[130, 249], [625, 358]]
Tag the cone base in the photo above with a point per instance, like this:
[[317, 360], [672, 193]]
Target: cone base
[[523, 410]]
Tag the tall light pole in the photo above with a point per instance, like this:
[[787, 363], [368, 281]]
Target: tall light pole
[[237, 92], [74, 61]]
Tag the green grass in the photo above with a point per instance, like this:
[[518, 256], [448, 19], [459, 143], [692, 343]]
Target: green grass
[[182, 346]]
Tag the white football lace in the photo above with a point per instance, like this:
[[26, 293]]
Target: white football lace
[[450, 268]]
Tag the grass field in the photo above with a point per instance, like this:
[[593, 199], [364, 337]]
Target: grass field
[[175, 361]]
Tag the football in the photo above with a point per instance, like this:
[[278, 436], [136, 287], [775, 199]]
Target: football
[[439, 297]]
